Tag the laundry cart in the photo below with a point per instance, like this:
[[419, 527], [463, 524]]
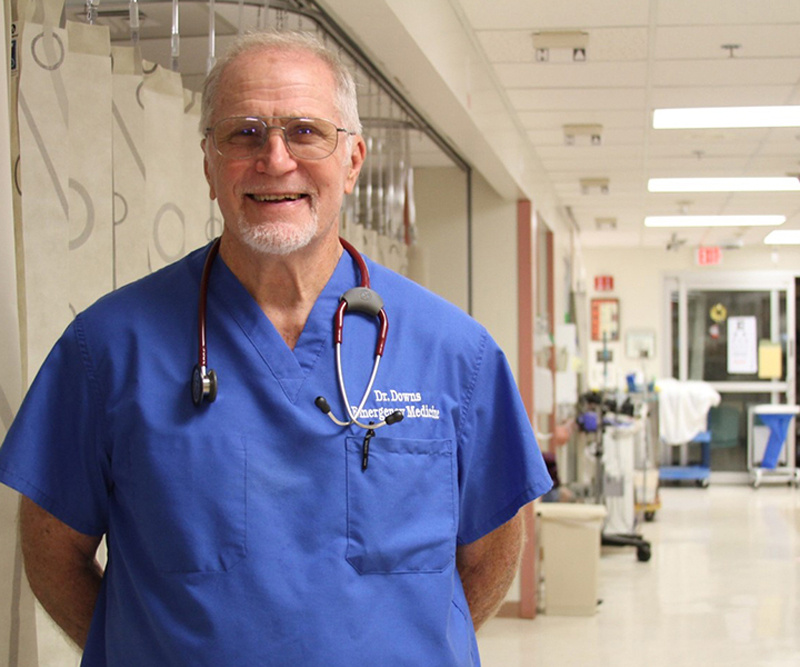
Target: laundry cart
[[683, 420], [768, 457]]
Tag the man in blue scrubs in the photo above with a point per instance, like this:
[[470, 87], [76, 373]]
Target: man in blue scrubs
[[253, 530]]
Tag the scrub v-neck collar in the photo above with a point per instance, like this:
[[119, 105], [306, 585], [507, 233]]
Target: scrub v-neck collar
[[289, 367]]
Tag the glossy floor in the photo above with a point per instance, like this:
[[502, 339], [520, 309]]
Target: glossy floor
[[722, 588]]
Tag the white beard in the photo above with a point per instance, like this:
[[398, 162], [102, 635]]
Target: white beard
[[278, 237]]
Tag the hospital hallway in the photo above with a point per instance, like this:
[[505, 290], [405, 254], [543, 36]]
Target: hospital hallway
[[721, 588]]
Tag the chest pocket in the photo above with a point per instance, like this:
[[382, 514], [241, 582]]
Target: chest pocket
[[189, 502], [401, 510]]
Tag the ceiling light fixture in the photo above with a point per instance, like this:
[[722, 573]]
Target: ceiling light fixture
[[714, 220], [783, 237], [755, 184], [726, 117]]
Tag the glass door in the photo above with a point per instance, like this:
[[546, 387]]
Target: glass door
[[736, 332]]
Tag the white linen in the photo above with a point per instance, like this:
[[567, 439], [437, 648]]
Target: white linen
[[683, 409]]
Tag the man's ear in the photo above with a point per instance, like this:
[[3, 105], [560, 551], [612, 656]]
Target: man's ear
[[212, 193], [358, 152]]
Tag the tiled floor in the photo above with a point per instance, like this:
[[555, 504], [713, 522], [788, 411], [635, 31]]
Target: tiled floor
[[722, 588]]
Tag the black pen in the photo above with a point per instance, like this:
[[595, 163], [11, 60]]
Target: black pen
[[365, 448]]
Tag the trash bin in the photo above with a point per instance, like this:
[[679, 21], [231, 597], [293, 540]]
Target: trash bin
[[570, 543]]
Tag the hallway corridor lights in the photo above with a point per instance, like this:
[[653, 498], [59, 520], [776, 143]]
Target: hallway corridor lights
[[726, 117], [756, 184], [783, 237], [714, 220]]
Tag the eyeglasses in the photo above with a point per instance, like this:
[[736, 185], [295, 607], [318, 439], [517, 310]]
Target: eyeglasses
[[241, 137]]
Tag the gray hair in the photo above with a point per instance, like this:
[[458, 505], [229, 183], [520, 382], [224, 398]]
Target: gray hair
[[345, 97]]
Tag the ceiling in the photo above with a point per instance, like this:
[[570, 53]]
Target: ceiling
[[639, 55], [642, 55]]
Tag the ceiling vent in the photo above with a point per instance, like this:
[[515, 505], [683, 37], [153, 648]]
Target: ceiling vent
[[605, 224], [593, 185], [584, 134], [560, 46]]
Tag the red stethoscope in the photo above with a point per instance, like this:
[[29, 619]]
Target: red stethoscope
[[358, 299]]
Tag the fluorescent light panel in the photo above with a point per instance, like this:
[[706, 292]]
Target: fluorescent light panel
[[714, 220], [722, 117], [783, 237], [757, 184]]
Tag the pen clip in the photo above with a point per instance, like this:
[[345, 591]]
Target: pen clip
[[365, 448]]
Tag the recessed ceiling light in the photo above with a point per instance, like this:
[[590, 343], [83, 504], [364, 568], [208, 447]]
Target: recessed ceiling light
[[719, 117], [757, 184], [713, 220], [783, 237]]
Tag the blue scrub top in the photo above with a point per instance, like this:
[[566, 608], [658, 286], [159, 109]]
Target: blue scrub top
[[245, 532]]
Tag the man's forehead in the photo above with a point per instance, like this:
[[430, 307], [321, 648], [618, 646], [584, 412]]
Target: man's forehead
[[277, 57], [289, 82]]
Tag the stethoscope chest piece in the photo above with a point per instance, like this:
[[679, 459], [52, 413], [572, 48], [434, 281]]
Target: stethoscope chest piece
[[204, 385]]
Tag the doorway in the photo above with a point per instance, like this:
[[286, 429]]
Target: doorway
[[737, 332]]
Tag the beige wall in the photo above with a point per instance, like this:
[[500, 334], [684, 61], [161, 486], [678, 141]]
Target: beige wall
[[440, 198], [494, 265]]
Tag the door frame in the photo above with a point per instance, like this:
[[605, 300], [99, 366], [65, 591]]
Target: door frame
[[733, 281]]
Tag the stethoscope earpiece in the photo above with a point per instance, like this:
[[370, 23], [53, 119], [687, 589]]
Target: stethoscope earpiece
[[323, 405]]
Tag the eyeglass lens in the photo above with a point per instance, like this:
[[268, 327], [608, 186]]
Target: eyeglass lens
[[306, 138]]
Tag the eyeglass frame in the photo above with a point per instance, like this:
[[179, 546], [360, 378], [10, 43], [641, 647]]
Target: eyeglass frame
[[282, 128]]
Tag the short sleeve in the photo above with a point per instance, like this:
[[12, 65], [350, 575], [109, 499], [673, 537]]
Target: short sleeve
[[501, 467], [52, 453]]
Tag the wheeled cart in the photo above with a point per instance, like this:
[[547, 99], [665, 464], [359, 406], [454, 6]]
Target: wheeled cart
[[771, 461], [613, 449], [699, 473]]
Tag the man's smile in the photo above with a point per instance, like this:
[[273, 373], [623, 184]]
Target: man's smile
[[276, 198]]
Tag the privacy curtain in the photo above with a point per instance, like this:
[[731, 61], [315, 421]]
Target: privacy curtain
[[107, 187]]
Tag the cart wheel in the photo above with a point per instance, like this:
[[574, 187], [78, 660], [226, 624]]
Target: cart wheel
[[703, 483], [643, 553], [649, 515]]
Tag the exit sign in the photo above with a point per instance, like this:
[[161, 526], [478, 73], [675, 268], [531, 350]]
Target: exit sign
[[604, 283], [709, 255]]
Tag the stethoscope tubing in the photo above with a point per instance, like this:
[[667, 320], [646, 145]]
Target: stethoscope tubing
[[362, 298]]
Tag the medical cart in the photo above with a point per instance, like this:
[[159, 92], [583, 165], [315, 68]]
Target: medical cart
[[611, 438]]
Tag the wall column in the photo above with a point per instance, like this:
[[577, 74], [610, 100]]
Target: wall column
[[526, 237]]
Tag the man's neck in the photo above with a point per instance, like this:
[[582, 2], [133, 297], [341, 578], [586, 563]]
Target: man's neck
[[286, 287]]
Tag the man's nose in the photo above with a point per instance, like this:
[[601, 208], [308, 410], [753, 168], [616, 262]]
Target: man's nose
[[274, 154]]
